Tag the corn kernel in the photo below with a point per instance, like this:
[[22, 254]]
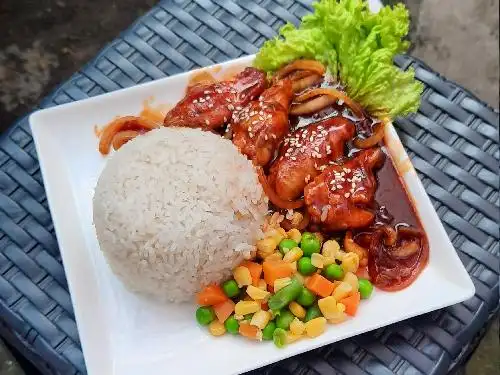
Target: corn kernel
[[342, 291], [317, 260], [351, 279], [256, 293], [238, 317], [246, 307], [266, 247], [260, 319], [297, 310], [295, 235], [242, 276], [291, 337], [293, 266], [281, 283], [315, 327], [262, 284], [293, 255], [297, 327], [276, 234], [328, 306], [350, 262], [216, 328], [274, 256], [328, 260], [339, 316], [330, 248]]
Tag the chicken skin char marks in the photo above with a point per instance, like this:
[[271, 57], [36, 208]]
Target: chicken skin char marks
[[306, 152], [260, 126], [342, 197], [210, 106]]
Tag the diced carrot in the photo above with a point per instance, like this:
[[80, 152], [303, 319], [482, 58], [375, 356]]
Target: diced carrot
[[320, 285], [351, 303], [255, 271], [224, 310], [247, 330], [211, 295], [275, 269]]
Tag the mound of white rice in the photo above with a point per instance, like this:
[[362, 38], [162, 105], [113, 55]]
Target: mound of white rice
[[176, 209]]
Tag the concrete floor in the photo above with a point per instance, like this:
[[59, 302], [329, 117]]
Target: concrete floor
[[44, 41]]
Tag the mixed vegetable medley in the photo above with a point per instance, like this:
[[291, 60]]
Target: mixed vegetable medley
[[295, 286]]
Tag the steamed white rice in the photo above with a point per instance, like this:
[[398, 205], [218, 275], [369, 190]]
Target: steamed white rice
[[176, 209]]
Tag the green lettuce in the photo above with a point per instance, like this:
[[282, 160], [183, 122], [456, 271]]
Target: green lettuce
[[358, 47]]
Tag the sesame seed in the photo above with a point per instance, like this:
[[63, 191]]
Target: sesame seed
[[273, 136], [225, 119], [206, 92], [228, 100], [339, 186], [230, 107], [207, 122], [293, 158], [265, 137], [255, 122], [210, 105], [238, 108], [195, 101], [347, 195], [218, 91]]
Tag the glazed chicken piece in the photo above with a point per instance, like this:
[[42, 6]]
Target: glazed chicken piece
[[342, 197], [210, 106], [259, 127], [306, 152]]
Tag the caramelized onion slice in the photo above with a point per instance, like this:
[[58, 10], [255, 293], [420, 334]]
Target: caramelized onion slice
[[311, 106], [311, 65], [333, 93], [273, 197], [123, 137], [372, 140], [119, 124], [305, 82]]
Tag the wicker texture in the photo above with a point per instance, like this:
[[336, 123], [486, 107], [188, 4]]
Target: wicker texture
[[453, 143]]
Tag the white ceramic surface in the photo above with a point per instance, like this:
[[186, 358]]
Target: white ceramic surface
[[124, 334]]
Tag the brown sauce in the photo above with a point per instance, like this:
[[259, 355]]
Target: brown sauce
[[392, 195]]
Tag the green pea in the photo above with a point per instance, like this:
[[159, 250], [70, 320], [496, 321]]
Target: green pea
[[284, 319], [365, 288], [312, 313], [279, 337], [267, 332], [305, 267], [232, 325], [230, 288], [205, 315], [306, 297], [310, 244], [285, 295], [287, 244], [333, 272]]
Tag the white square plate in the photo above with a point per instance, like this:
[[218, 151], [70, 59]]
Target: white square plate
[[124, 334]]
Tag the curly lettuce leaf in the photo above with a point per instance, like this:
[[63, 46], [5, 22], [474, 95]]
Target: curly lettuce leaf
[[358, 47]]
